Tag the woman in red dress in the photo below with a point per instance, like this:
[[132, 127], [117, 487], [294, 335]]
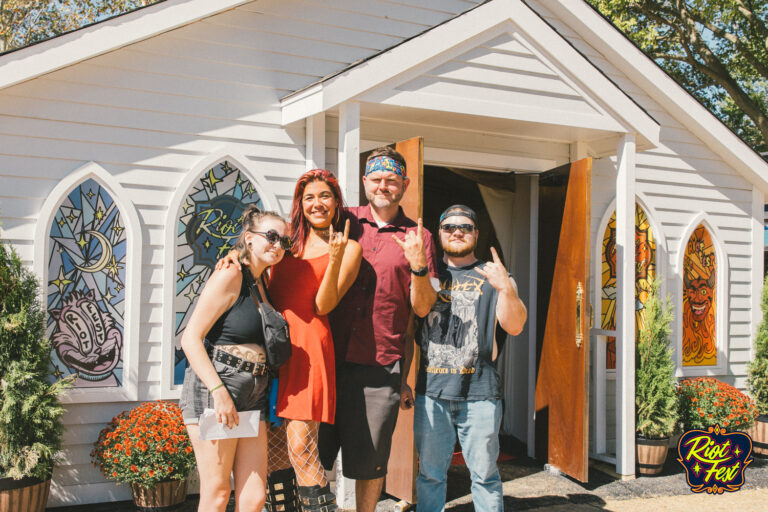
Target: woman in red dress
[[305, 286]]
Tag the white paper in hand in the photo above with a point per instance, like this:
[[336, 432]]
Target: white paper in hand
[[210, 429]]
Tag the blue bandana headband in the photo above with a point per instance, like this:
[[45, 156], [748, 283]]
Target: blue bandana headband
[[385, 164]]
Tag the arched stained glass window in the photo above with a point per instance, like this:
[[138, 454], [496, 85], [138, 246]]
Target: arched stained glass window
[[699, 304], [645, 272], [208, 226], [86, 288]]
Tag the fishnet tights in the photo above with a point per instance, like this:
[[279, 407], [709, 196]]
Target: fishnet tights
[[277, 450], [303, 452]]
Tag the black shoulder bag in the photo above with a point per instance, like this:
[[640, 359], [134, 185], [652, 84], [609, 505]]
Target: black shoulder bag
[[277, 340]]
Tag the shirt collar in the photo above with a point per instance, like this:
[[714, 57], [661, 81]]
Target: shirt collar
[[400, 222]]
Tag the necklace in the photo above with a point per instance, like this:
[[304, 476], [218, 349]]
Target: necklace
[[324, 233]]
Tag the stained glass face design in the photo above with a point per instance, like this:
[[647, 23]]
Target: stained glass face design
[[85, 292], [208, 226], [645, 272], [699, 305]]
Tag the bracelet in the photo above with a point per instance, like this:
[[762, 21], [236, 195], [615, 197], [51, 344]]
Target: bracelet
[[421, 272], [214, 388]]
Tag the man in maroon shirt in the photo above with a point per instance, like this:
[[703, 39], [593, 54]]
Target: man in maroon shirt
[[370, 323]]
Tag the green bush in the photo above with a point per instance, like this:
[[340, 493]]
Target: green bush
[[757, 381], [30, 412], [655, 383]]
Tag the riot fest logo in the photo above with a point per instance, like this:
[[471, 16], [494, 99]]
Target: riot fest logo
[[715, 460]]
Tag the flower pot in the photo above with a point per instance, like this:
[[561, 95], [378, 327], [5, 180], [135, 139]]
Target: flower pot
[[25, 495], [651, 454], [164, 496], [759, 434]]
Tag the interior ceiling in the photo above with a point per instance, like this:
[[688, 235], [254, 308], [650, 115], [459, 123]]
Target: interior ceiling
[[521, 129]]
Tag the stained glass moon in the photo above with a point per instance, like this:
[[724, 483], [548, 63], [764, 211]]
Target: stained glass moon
[[86, 287]]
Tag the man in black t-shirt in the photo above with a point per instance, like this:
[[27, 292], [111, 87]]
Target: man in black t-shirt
[[458, 389]]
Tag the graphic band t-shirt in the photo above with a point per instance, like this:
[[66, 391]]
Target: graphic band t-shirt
[[456, 338]]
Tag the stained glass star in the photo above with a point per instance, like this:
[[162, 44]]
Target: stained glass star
[[99, 214], [117, 228], [211, 180], [82, 243], [109, 296], [191, 294], [71, 216], [207, 244], [90, 194], [187, 206], [61, 222], [112, 268], [182, 273], [61, 281], [57, 373]]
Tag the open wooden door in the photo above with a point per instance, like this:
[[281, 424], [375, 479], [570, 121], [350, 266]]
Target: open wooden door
[[402, 468], [562, 383]]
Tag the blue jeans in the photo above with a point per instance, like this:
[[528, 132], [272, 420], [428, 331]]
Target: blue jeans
[[477, 423]]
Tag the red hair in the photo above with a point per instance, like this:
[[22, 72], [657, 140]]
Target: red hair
[[299, 224]]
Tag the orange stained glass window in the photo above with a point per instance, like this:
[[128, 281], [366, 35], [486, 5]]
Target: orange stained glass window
[[699, 305], [645, 272]]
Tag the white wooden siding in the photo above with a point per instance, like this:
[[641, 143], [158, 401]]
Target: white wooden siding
[[150, 112]]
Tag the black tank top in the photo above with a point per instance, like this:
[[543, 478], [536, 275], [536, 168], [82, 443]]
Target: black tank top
[[241, 323]]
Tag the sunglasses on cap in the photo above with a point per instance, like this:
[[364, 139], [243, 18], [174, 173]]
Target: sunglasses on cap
[[464, 228], [273, 236]]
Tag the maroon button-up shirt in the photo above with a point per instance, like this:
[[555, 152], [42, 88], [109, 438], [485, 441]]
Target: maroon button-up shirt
[[369, 323]]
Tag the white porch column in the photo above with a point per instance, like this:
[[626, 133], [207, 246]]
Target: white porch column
[[349, 152], [533, 259], [625, 307], [349, 181], [758, 215], [315, 140]]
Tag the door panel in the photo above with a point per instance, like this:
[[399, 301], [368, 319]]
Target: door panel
[[562, 407], [402, 468]]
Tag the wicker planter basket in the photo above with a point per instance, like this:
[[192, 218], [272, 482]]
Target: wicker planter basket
[[651, 454], [25, 495], [162, 497]]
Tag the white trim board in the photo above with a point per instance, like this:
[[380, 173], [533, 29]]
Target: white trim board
[[109, 35], [616, 48], [435, 46]]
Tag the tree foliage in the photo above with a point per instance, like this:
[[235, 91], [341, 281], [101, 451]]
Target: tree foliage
[[716, 49], [655, 383], [23, 22], [30, 412], [758, 368]]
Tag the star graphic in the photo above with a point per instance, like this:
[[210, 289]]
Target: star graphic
[[61, 222], [118, 288], [90, 194], [211, 180], [736, 451], [225, 166], [696, 469], [99, 214], [191, 294], [187, 206], [109, 296], [239, 180], [82, 243], [207, 244], [182, 273], [117, 228], [71, 216], [112, 268], [61, 281]]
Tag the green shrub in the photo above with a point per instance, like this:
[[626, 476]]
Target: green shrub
[[655, 383], [30, 412], [757, 381]]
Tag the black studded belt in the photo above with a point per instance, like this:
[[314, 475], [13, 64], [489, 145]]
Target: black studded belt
[[238, 363]]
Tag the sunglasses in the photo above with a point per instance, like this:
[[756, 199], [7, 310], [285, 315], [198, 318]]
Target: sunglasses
[[464, 228], [273, 236]]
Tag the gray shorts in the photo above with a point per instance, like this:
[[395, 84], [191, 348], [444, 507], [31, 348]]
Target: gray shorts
[[248, 391], [367, 404]]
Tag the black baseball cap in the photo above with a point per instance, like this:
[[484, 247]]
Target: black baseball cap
[[459, 209]]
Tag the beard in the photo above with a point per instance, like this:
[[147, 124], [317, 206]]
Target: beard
[[384, 202], [459, 253]]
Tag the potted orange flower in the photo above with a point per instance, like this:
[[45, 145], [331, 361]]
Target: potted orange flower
[[147, 447], [706, 401]]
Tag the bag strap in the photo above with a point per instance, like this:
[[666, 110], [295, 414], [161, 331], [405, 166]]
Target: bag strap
[[261, 293]]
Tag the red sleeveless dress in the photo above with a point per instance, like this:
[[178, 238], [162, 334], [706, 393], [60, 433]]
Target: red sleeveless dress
[[307, 389]]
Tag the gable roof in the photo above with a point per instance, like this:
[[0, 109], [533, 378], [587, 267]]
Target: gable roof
[[580, 95], [99, 38]]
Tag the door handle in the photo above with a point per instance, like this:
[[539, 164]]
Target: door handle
[[579, 309]]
